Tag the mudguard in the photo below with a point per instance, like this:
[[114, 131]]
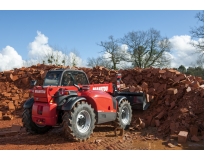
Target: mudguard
[[137, 100], [120, 98], [29, 103], [71, 102]]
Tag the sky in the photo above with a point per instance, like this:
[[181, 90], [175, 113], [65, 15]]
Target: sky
[[27, 33]]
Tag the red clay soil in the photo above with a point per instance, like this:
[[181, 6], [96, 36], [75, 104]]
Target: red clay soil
[[14, 137]]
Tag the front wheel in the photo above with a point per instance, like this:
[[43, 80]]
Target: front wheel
[[78, 124], [30, 126], [124, 115]]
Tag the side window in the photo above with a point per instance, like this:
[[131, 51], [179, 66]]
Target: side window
[[67, 80], [52, 79], [81, 79]]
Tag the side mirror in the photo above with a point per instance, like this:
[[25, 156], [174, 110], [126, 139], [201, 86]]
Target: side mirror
[[33, 82], [77, 86]]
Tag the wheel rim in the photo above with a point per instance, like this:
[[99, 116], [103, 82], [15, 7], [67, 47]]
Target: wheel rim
[[83, 121], [125, 115]]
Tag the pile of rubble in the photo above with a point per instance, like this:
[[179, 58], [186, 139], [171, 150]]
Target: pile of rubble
[[177, 100]]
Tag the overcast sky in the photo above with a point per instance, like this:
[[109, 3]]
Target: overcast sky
[[27, 34]]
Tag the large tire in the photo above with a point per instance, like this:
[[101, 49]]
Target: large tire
[[30, 126], [79, 123], [124, 115]]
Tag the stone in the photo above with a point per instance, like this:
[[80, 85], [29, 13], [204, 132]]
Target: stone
[[7, 117], [1, 115], [188, 89], [119, 129], [26, 95], [160, 115], [172, 127], [15, 98], [98, 141], [195, 84], [195, 138], [171, 145], [182, 136], [144, 85], [162, 71], [132, 88], [11, 105], [142, 124], [184, 110], [25, 81], [156, 85], [157, 123], [148, 120], [193, 130], [172, 104], [172, 91]]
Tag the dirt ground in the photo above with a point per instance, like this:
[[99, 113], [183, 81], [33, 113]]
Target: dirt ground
[[103, 138]]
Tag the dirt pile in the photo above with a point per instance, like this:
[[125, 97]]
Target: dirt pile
[[177, 100]]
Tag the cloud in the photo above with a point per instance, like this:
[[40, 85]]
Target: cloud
[[39, 47], [182, 52], [75, 59], [39, 51], [9, 59]]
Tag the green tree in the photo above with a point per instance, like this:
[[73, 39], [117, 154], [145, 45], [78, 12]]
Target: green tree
[[99, 61], [182, 69], [196, 71]]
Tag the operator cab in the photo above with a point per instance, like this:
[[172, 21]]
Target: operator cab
[[65, 78]]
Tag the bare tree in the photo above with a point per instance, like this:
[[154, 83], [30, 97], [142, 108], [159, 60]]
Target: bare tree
[[58, 56], [147, 48], [112, 48], [198, 32], [99, 61]]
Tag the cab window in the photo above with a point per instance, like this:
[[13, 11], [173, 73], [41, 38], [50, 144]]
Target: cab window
[[71, 77], [52, 78]]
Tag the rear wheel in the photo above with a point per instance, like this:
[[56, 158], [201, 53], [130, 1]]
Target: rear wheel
[[124, 115], [78, 124], [30, 126]]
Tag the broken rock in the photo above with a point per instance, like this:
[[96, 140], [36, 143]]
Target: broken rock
[[182, 136], [171, 145], [172, 91], [1, 116], [195, 138], [7, 117]]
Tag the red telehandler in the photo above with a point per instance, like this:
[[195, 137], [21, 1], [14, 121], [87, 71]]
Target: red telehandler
[[66, 98]]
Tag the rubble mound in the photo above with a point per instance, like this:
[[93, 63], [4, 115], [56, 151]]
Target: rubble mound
[[177, 100]]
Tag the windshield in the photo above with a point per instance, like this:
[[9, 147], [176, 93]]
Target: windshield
[[74, 77], [52, 78]]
